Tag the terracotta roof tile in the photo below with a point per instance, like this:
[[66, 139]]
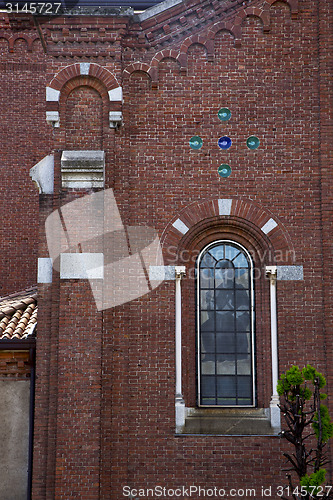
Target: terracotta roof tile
[[18, 315]]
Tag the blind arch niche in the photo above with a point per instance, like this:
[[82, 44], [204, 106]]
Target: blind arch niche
[[225, 326]]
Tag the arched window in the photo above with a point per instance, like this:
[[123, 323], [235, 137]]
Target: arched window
[[225, 326]]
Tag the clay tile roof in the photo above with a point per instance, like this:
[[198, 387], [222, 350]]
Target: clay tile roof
[[18, 315]]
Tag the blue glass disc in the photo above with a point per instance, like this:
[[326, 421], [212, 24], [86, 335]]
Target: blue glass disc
[[196, 142], [224, 114], [253, 142], [224, 170], [224, 142]]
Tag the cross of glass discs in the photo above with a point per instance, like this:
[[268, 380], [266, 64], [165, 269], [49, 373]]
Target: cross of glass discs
[[224, 142]]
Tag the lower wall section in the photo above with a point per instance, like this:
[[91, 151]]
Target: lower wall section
[[14, 438]]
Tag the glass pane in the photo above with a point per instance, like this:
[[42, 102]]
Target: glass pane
[[226, 401], [242, 300], [225, 342], [224, 264], [207, 261], [208, 401], [208, 386], [244, 401], [207, 366], [207, 342], [243, 342], [225, 300], [217, 252], [207, 278], [241, 261], [225, 321], [243, 365], [230, 252], [225, 364], [244, 387], [207, 299], [207, 321], [224, 278], [226, 386], [242, 278], [243, 321]]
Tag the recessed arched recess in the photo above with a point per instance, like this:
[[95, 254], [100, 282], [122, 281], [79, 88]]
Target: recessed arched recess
[[84, 74], [84, 119]]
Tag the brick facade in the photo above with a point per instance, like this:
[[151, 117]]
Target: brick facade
[[105, 388]]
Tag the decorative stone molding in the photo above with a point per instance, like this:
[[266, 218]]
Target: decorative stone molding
[[52, 118], [82, 169], [115, 119]]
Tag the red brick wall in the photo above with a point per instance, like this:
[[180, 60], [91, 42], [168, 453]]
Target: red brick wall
[[84, 113], [15, 364]]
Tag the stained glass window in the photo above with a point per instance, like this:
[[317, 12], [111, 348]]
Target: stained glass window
[[225, 326]]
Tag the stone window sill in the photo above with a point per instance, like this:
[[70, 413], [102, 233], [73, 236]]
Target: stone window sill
[[228, 422]]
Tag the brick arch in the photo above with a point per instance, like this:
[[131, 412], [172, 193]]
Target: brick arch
[[137, 66], [90, 74], [221, 26], [293, 4], [83, 69], [163, 54], [201, 39], [3, 37], [233, 212], [28, 39], [84, 81], [152, 72]]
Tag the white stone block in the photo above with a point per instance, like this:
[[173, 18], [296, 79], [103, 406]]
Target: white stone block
[[84, 68], [116, 94], [52, 94], [290, 273], [44, 270], [43, 175], [225, 207], [269, 226], [81, 266], [180, 226]]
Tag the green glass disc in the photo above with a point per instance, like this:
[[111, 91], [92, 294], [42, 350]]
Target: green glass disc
[[224, 114], [196, 142], [224, 170], [253, 142]]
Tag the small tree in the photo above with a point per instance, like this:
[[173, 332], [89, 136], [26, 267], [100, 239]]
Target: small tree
[[308, 423]]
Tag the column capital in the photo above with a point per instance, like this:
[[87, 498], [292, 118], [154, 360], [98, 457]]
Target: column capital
[[180, 272], [271, 273]]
